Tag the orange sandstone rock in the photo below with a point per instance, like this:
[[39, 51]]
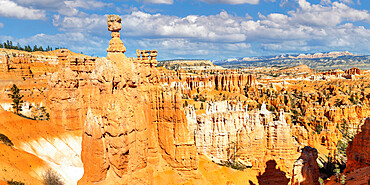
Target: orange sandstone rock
[[358, 151], [306, 169], [114, 25], [136, 126]]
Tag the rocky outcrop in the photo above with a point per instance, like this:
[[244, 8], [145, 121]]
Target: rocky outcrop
[[306, 169], [251, 80], [216, 131], [18, 63], [23, 64], [263, 139], [228, 132], [326, 121], [353, 71], [221, 80], [132, 125], [133, 122], [66, 98], [358, 150], [114, 25]]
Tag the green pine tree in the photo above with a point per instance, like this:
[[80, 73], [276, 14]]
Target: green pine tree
[[17, 99]]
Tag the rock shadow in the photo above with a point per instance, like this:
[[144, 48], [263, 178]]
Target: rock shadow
[[272, 175]]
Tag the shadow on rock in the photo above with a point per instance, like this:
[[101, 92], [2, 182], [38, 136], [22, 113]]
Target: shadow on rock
[[272, 175]]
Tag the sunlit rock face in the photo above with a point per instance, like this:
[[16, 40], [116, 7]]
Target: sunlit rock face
[[358, 149], [228, 131], [223, 80], [132, 125], [306, 169], [218, 128]]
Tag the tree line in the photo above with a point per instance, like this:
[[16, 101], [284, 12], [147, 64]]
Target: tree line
[[9, 45]]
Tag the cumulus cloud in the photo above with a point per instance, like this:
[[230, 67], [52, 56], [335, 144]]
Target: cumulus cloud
[[11, 9], [232, 1], [332, 15], [221, 27], [184, 48], [66, 7], [310, 27], [75, 41], [89, 23], [159, 1]]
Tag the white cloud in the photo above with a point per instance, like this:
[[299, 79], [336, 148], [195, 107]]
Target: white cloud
[[310, 27], [347, 1], [180, 48], [214, 28], [1, 25], [159, 1], [332, 15], [234, 2], [87, 23], [69, 7], [75, 41], [11, 9], [89, 4]]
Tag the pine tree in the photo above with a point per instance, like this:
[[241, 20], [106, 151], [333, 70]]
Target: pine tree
[[336, 172], [343, 179], [17, 99]]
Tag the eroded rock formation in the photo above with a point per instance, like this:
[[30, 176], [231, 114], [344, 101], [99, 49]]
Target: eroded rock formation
[[133, 126], [306, 169], [229, 132], [114, 25], [358, 151], [216, 131]]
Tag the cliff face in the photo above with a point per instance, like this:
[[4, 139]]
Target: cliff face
[[227, 131], [132, 122], [345, 117], [216, 131], [132, 125], [34, 64], [359, 149], [262, 140], [221, 80], [353, 71]]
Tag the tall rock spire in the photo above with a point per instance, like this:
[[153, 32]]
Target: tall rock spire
[[114, 25]]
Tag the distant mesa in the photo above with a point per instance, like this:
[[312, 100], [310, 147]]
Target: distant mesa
[[320, 61], [188, 64]]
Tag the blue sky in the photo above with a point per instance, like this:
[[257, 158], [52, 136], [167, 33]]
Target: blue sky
[[202, 29]]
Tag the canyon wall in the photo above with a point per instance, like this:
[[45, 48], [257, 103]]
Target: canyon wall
[[222, 80], [229, 132], [132, 125], [358, 150]]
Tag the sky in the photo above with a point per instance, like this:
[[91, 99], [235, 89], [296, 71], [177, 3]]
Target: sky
[[192, 29]]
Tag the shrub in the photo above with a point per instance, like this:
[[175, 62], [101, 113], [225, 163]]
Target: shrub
[[343, 179], [321, 181], [51, 178], [6, 140], [318, 129], [186, 103], [337, 172], [15, 182], [234, 164]]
